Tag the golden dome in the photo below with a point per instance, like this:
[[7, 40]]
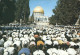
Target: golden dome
[[38, 9]]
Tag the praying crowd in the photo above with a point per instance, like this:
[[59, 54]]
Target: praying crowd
[[40, 41]]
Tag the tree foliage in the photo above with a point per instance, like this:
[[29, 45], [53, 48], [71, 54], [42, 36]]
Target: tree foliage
[[11, 10], [7, 11], [23, 10], [66, 12]]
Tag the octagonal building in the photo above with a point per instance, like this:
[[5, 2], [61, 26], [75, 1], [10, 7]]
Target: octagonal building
[[39, 18]]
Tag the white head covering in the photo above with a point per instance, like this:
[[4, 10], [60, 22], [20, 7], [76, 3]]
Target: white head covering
[[48, 42], [32, 43], [38, 52], [52, 51], [71, 51]]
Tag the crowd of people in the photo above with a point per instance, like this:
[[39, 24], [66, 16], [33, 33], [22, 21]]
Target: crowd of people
[[40, 41]]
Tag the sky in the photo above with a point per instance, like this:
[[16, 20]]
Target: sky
[[47, 6]]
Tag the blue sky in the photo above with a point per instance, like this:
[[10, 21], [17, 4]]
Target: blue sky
[[47, 5]]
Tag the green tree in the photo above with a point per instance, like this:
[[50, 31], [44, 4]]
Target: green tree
[[23, 10], [7, 11], [66, 12]]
